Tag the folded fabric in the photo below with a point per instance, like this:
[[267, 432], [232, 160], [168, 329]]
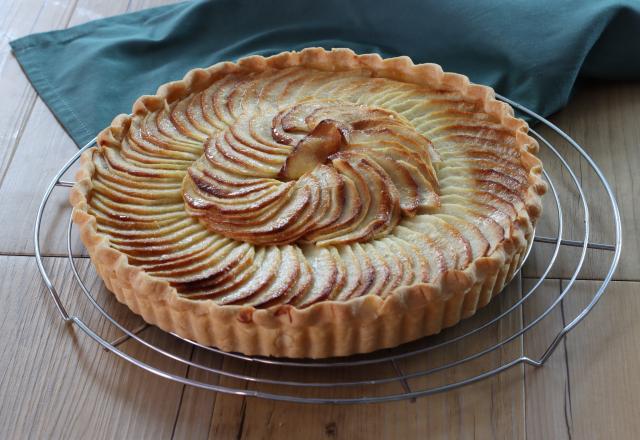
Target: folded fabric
[[532, 52]]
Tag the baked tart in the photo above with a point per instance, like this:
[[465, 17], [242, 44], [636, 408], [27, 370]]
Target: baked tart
[[310, 204]]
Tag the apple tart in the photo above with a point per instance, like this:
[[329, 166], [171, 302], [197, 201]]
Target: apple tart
[[310, 204]]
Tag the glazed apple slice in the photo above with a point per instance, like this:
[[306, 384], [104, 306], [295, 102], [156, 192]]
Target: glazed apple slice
[[398, 133], [156, 250], [225, 255], [370, 276], [168, 237], [415, 192], [449, 238], [429, 250], [195, 114], [219, 159], [158, 229], [477, 241], [231, 280], [267, 158], [472, 142], [436, 239], [486, 210], [175, 257], [212, 267], [147, 155], [293, 121], [193, 255], [504, 204], [347, 113], [303, 284], [357, 203], [415, 266], [215, 98], [204, 109], [123, 177], [341, 278], [226, 178], [353, 272], [331, 187], [384, 209], [134, 195], [284, 281], [327, 87], [351, 208], [295, 211], [183, 123], [491, 230], [421, 268], [251, 203], [169, 132], [404, 258], [152, 144], [507, 168], [302, 86], [276, 92], [397, 152], [123, 222], [260, 282], [242, 161], [210, 187], [356, 90], [241, 97], [325, 140], [393, 263], [325, 274], [486, 174], [255, 132], [281, 232]]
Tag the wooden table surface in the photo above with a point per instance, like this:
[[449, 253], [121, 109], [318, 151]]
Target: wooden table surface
[[56, 382]]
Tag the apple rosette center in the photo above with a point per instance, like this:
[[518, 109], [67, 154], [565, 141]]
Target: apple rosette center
[[325, 172]]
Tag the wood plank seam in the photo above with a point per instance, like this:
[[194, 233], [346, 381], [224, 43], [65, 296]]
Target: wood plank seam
[[175, 421], [568, 414], [32, 95]]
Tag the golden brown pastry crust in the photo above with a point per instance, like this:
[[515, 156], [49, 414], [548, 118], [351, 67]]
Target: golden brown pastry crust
[[326, 328]]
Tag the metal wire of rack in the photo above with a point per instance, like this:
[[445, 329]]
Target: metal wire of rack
[[409, 368]]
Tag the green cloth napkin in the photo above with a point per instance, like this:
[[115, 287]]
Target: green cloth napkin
[[530, 51]]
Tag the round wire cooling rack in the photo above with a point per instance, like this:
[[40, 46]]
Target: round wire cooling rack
[[478, 348]]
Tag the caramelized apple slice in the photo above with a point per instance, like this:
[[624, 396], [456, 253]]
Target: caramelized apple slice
[[325, 274], [313, 150]]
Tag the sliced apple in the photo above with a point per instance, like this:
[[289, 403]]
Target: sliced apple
[[325, 274], [180, 118], [351, 207], [325, 140], [354, 276], [262, 278], [283, 282], [430, 251]]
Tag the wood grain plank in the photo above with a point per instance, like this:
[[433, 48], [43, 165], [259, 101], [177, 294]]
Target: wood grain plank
[[589, 388], [490, 409], [23, 189], [603, 358], [602, 117], [194, 418], [88, 10], [17, 19], [60, 383], [547, 388]]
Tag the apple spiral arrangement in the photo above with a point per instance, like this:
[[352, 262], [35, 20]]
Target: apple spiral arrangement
[[259, 184], [332, 172]]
